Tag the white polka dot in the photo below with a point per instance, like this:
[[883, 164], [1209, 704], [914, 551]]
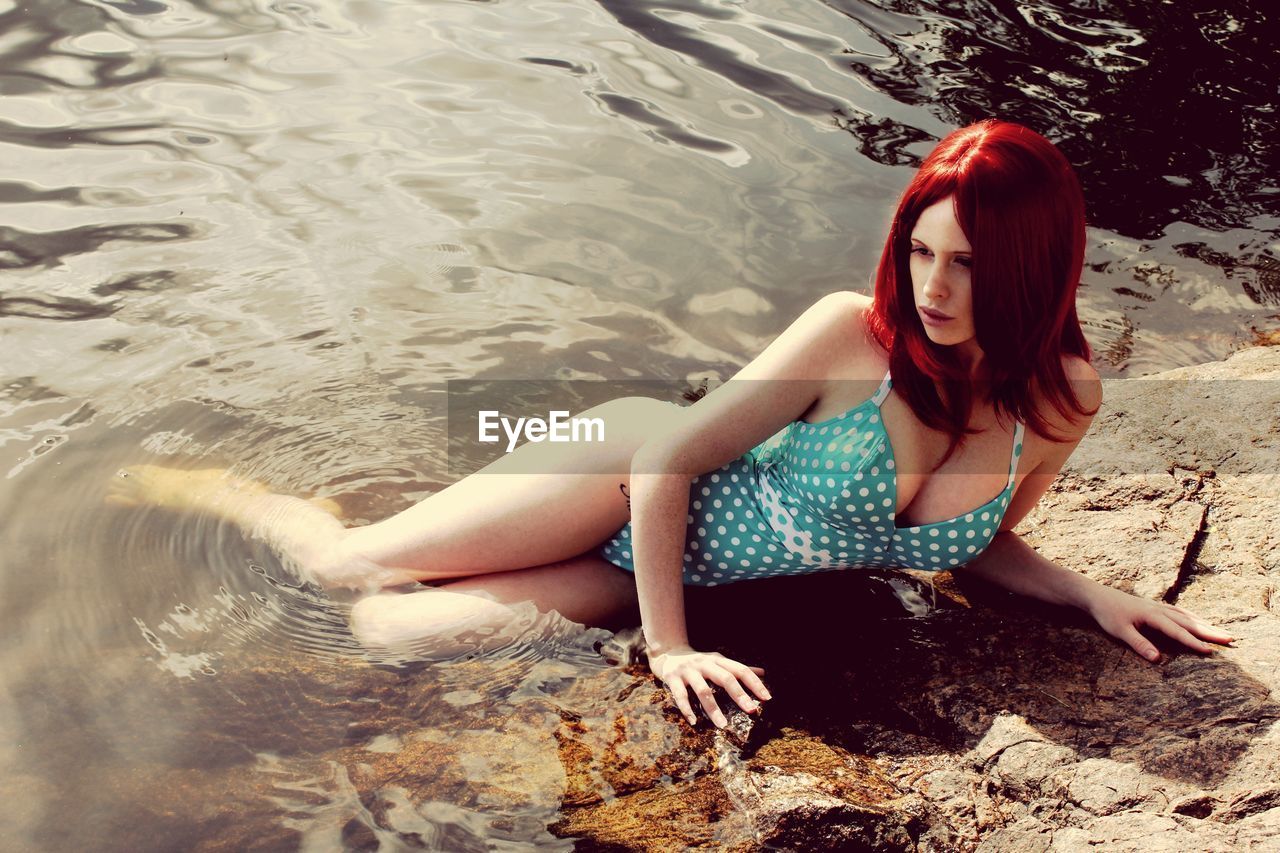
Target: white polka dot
[[702, 531]]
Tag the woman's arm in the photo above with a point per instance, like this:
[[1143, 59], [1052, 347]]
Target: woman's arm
[[1013, 564], [788, 376]]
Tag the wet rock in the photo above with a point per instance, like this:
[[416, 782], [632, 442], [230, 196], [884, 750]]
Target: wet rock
[[911, 712], [1000, 723]]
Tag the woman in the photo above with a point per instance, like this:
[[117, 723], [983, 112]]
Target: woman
[[884, 429]]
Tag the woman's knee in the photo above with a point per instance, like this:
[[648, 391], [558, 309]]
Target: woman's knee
[[391, 620], [637, 418]]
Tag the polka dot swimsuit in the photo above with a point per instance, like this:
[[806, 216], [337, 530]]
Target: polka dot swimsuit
[[818, 497]]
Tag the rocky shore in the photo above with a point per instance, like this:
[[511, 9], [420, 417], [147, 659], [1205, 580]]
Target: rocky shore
[[988, 723]]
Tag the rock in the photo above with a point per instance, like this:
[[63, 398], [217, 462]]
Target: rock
[[1000, 723]]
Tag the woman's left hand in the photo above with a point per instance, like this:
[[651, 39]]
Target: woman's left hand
[[1120, 613]]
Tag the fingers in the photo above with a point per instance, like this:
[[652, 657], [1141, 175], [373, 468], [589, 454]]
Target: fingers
[[1171, 623], [1182, 635], [693, 675], [707, 697], [748, 676], [680, 694], [1198, 626], [1138, 643]]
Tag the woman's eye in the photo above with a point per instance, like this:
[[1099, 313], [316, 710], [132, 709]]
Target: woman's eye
[[919, 250], [964, 262]]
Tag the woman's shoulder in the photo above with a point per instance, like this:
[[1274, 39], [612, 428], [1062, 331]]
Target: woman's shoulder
[[1083, 380], [847, 312]]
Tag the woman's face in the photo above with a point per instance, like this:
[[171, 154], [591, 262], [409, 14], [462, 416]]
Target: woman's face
[[941, 277]]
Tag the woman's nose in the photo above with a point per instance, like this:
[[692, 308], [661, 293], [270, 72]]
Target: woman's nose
[[935, 286]]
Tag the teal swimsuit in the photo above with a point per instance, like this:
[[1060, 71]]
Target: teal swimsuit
[[817, 497]]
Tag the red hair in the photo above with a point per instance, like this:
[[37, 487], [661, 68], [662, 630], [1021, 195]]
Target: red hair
[[1018, 201]]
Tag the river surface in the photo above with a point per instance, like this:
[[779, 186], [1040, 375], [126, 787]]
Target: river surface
[[263, 235]]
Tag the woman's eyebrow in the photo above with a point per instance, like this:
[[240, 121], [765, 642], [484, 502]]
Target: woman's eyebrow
[[915, 239]]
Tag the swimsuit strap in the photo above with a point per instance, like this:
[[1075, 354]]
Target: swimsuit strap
[[1017, 452], [883, 390]]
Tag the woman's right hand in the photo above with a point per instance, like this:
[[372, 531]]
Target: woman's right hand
[[683, 669]]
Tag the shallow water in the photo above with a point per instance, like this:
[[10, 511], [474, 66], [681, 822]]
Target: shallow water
[[264, 234]]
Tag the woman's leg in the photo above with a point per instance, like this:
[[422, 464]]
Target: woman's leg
[[503, 517], [583, 589]]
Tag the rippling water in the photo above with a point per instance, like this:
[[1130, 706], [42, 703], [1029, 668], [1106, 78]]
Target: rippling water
[[263, 234]]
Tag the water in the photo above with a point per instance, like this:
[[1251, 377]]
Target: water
[[263, 234]]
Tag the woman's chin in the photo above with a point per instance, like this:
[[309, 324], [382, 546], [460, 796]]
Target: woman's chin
[[944, 338]]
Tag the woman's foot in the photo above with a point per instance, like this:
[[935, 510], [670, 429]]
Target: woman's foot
[[213, 490], [308, 535]]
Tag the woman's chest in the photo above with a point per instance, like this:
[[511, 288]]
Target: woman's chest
[[980, 470]]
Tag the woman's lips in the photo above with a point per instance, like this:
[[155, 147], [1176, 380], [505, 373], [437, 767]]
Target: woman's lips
[[932, 317]]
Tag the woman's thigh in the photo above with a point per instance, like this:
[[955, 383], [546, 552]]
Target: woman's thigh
[[540, 504], [583, 589]]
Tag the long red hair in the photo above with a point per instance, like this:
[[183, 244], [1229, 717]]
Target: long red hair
[[1019, 203]]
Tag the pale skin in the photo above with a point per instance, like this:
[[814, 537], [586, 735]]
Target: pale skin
[[505, 535]]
